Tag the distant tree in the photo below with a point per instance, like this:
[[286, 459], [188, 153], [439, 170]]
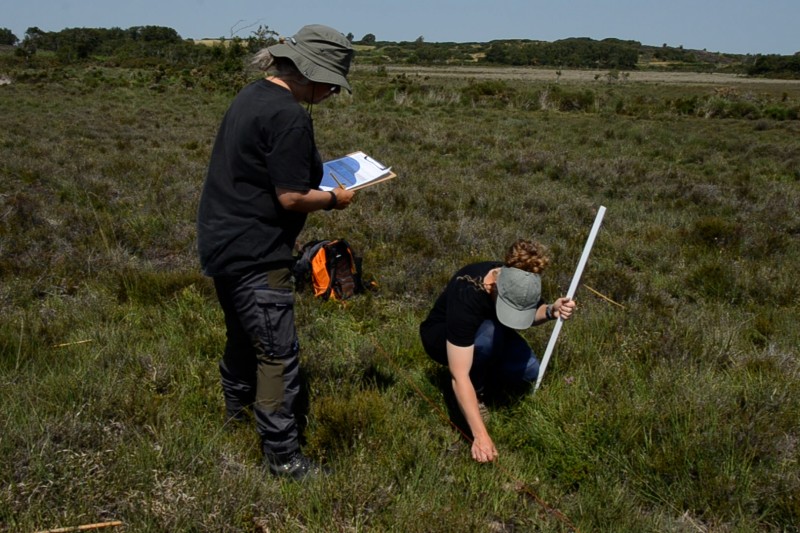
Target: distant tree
[[420, 40], [154, 33], [8, 37], [235, 49], [34, 36], [71, 44], [775, 65], [497, 53], [350, 37], [27, 48], [260, 38], [368, 39]]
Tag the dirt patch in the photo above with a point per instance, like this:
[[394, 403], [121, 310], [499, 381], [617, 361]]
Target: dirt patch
[[211, 42], [604, 76]]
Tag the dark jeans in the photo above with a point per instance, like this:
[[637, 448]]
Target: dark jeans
[[260, 366], [502, 357]]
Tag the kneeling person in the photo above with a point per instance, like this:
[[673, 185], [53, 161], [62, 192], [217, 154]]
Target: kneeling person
[[471, 329]]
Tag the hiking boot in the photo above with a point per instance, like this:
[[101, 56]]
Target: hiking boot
[[296, 466]]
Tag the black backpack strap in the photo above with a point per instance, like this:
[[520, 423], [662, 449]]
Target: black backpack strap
[[302, 266], [331, 249]]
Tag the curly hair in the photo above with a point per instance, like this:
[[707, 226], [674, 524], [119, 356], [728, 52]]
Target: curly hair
[[527, 255], [524, 254]]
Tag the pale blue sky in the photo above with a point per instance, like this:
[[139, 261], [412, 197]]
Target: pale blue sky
[[735, 26]]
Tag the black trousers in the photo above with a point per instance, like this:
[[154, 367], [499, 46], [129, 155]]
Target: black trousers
[[260, 366]]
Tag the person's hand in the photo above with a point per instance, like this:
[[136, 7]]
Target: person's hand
[[563, 308], [483, 449], [343, 197]]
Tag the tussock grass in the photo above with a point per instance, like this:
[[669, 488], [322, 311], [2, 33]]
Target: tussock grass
[[675, 410]]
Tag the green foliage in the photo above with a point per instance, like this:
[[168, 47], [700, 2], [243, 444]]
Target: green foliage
[[557, 97], [7, 37], [144, 47], [162, 45], [776, 66], [674, 408], [80, 43], [574, 53], [716, 232]]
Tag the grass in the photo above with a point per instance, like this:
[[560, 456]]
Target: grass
[[675, 412]]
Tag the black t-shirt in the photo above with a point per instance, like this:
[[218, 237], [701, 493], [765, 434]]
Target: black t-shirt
[[459, 311], [266, 140]]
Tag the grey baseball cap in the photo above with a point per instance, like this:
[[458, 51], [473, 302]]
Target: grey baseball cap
[[518, 292], [320, 53]]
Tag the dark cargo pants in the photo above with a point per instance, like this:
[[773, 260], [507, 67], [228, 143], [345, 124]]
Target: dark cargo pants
[[260, 366]]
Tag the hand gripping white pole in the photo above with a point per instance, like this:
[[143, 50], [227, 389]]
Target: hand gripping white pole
[[571, 293]]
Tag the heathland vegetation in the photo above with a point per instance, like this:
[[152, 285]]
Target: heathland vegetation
[[672, 400], [151, 45]]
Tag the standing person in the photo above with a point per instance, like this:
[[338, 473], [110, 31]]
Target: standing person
[[471, 329], [262, 181]]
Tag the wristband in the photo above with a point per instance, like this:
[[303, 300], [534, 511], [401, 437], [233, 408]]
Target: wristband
[[333, 201], [548, 312]]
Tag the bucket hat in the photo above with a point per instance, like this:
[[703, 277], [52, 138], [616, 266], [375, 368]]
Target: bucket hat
[[319, 52], [518, 294]]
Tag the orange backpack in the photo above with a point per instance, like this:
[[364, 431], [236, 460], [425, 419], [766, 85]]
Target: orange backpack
[[332, 267]]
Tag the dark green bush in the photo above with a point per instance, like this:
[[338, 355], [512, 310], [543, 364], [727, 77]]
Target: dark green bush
[[716, 232], [715, 279], [571, 99]]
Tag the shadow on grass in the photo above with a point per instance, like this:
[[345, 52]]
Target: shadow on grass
[[495, 396]]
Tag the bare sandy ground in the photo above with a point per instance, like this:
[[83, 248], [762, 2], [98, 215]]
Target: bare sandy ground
[[536, 74]]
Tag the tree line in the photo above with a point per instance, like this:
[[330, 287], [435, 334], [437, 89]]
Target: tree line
[[158, 45], [572, 53], [134, 46]]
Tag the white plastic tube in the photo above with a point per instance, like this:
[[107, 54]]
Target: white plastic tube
[[571, 292]]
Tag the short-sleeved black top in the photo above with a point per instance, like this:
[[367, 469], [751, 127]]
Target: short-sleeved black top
[[266, 140], [459, 311]]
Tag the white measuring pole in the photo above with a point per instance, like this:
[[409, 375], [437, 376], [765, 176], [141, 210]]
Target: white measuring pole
[[571, 292]]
